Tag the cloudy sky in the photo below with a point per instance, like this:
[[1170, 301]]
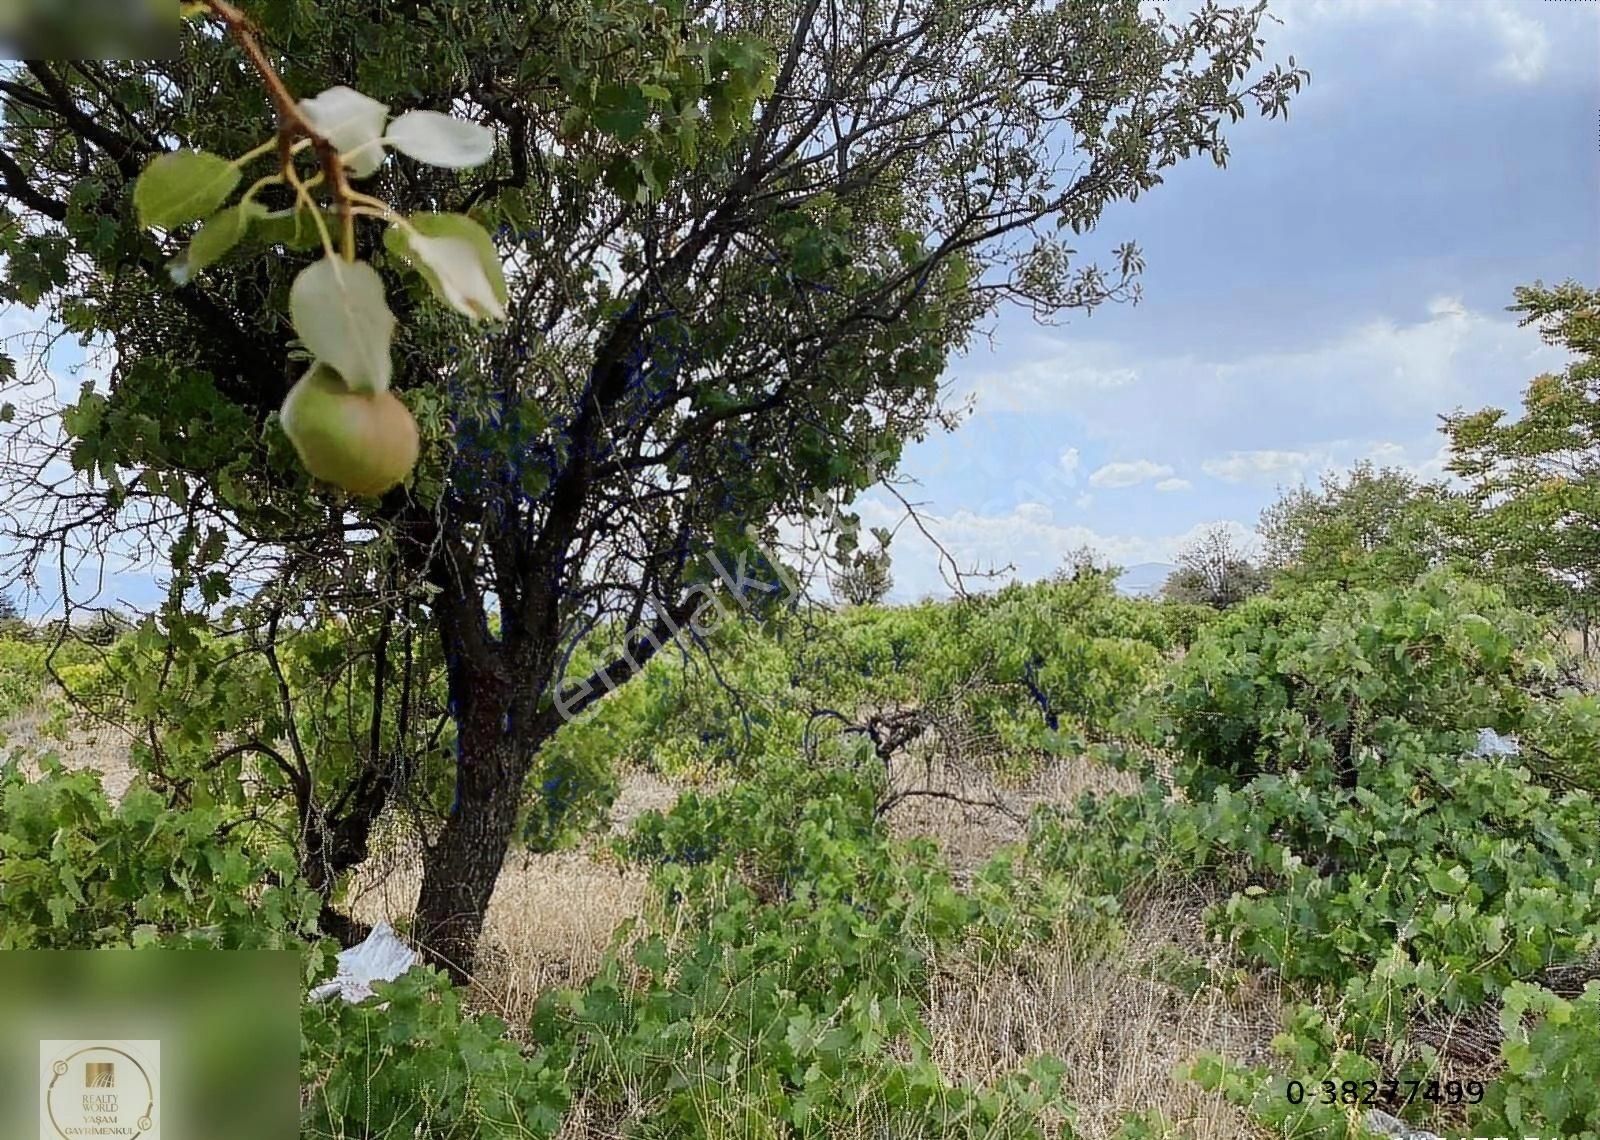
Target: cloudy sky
[[1322, 300]]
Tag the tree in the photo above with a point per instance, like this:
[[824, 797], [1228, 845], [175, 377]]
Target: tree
[[1375, 526], [1213, 571], [865, 580], [740, 245], [1534, 482], [1084, 561]]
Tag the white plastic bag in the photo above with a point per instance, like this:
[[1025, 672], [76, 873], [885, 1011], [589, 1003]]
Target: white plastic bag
[[1491, 743], [381, 958]]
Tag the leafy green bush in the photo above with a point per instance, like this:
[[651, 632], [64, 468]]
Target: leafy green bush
[[1378, 865], [77, 872], [1551, 1085], [1183, 621], [22, 674], [780, 994], [1304, 681], [413, 1062], [1562, 738]]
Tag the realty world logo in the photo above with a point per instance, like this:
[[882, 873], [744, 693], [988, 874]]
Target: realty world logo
[[91, 1089]]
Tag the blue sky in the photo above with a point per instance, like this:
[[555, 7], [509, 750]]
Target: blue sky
[[1320, 301]]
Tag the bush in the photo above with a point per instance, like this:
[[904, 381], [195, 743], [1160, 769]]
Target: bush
[[1551, 1085], [77, 872], [801, 940], [1305, 681], [414, 1063]]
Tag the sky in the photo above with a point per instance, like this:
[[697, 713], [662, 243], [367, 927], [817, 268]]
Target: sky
[[1322, 300]]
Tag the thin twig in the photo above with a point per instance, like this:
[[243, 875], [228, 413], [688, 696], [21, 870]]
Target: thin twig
[[292, 121]]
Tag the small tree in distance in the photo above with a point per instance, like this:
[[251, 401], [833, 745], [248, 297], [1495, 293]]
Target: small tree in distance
[[1213, 570], [1084, 562], [1374, 525], [865, 579]]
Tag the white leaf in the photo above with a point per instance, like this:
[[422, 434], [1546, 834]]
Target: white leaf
[[339, 311], [457, 258], [353, 123], [439, 140], [462, 281]]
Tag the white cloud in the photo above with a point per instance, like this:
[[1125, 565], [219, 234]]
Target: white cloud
[[1070, 460], [1519, 44], [1380, 378], [1527, 48], [1168, 485], [1129, 474], [1424, 460], [1046, 373], [1267, 465], [1025, 538]]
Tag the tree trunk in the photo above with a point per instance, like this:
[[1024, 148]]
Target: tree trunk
[[460, 869]]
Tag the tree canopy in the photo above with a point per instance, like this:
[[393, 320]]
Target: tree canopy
[[1370, 526], [1534, 482], [739, 244]]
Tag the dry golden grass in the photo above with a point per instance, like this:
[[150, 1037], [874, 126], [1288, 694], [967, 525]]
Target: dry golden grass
[[967, 832], [1114, 1014], [552, 916], [81, 745]]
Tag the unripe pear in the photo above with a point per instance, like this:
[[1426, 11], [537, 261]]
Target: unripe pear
[[364, 442]]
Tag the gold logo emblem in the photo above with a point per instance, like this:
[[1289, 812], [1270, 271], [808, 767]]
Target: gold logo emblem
[[99, 1089], [99, 1075]]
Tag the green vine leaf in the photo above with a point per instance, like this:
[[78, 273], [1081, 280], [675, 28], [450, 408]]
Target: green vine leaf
[[339, 311], [183, 186]]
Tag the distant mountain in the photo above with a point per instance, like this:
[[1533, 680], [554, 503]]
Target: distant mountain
[[1144, 580]]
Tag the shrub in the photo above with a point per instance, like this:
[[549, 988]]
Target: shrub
[[77, 872], [1305, 681]]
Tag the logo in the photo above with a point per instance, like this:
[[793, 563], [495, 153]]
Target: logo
[[93, 1089]]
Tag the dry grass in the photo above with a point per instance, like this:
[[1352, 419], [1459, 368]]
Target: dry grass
[[82, 745], [968, 834], [1125, 1017], [1116, 1016]]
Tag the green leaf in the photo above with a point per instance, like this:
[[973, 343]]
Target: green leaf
[[183, 186], [222, 231], [1451, 882], [341, 314], [621, 112], [457, 258]]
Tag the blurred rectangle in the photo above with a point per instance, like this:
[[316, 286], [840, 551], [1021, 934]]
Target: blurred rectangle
[[160, 1044], [88, 29]]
